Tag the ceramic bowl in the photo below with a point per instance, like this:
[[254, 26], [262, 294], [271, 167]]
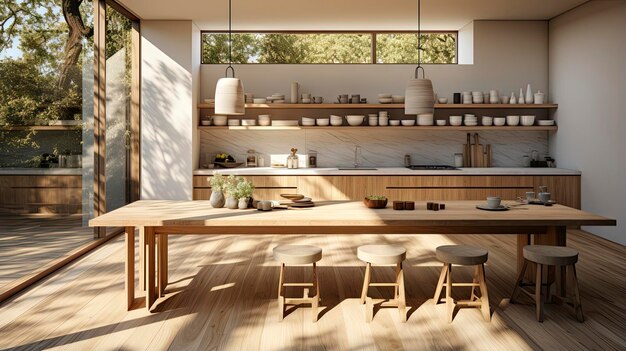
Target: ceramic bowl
[[441, 122], [408, 122], [397, 99], [355, 120], [546, 122], [259, 100], [512, 120], [220, 120], [456, 120], [322, 121], [375, 203], [394, 122], [527, 120], [443, 100], [248, 122], [384, 96], [385, 100], [205, 122], [499, 121]]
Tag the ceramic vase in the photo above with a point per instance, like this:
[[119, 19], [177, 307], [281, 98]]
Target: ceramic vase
[[529, 95], [217, 199], [513, 100], [243, 203], [520, 100], [232, 203]]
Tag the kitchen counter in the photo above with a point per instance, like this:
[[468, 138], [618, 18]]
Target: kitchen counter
[[259, 171], [40, 171]]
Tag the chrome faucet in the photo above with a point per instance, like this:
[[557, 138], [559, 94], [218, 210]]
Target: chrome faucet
[[357, 150]]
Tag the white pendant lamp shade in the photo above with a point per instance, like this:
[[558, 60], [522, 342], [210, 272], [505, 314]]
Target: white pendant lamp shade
[[419, 97], [229, 97]]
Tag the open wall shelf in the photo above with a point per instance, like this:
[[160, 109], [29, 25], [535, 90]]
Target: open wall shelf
[[394, 128], [390, 106]]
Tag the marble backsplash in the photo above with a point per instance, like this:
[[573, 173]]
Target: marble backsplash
[[379, 147]]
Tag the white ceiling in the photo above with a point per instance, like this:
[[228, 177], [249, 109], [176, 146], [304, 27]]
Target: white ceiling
[[345, 14]]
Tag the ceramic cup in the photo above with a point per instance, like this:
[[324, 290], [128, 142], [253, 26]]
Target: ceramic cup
[[544, 197], [530, 196], [265, 120], [504, 99], [318, 99], [499, 121], [373, 120], [493, 201], [512, 120], [264, 205]]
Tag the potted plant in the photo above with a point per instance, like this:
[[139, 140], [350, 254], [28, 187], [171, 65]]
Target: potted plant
[[244, 193], [230, 186], [217, 190], [375, 201]]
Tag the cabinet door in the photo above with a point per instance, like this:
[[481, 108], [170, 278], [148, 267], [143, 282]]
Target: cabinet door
[[443, 194], [565, 190]]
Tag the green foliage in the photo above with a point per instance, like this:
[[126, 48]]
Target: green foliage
[[376, 197], [244, 189], [230, 185], [293, 48], [217, 182]]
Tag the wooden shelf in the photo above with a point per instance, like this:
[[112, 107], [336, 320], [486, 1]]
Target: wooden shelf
[[406, 128], [389, 106], [43, 128]]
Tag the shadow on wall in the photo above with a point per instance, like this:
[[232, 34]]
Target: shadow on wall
[[166, 135]]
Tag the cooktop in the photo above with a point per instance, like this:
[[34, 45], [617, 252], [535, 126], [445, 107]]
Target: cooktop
[[431, 168]]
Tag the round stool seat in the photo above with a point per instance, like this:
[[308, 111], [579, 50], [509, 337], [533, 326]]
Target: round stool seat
[[551, 255], [461, 255], [381, 254], [297, 254]]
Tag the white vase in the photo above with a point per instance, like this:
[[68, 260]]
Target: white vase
[[243, 203], [529, 95], [231, 203], [513, 99], [217, 199], [520, 100]]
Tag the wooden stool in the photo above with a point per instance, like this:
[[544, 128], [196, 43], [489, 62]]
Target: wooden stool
[[383, 255], [544, 256], [297, 255], [464, 256]]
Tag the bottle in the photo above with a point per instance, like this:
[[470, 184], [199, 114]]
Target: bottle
[[407, 160], [292, 160], [312, 159], [529, 95]]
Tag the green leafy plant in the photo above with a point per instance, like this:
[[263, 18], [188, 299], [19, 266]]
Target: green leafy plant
[[217, 182], [376, 197], [244, 189], [230, 185]]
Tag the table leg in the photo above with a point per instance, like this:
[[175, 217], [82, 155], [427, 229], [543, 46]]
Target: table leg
[[130, 267], [142, 259], [523, 240], [162, 259], [150, 267]]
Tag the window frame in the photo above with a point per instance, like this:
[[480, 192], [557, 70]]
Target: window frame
[[372, 33]]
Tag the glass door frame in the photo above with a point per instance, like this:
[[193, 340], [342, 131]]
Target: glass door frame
[[133, 155]]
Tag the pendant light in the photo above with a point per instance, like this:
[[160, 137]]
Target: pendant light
[[419, 94], [229, 97]]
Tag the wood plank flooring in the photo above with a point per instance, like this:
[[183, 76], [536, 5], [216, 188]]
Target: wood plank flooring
[[29, 242], [222, 297]]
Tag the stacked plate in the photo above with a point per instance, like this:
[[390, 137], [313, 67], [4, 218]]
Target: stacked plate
[[385, 98], [285, 123], [467, 97], [470, 120], [276, 98], [233, 122], [477, 97], [296, 200], [420, 97], [546, 122], [306, 121], [425, 119]]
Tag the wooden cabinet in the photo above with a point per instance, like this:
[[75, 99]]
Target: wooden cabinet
[[565, 189], [54, 194]]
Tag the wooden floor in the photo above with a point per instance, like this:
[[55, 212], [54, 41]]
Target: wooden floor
[[29, 242], [222, 297]]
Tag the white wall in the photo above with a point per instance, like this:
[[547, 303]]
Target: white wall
[[167, 105], [507, 56], [588, 80]]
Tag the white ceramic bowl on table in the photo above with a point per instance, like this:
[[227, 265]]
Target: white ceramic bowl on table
[[394, 122], [441, 122], [408, 122], [355, 120], [397, 99]]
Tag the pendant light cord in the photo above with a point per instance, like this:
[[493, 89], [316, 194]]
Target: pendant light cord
[[230, 40], [419, 40]]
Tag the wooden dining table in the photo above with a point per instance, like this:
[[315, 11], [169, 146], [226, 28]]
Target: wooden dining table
[[157, 219]]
